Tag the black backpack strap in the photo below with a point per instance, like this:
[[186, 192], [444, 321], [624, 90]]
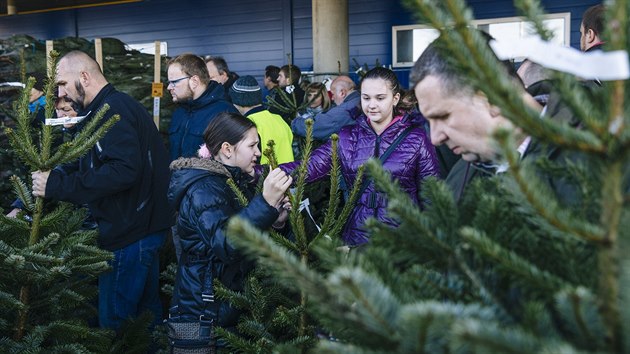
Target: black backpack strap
[[383, 158]]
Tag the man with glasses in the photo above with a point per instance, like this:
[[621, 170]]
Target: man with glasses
[[199, 100]]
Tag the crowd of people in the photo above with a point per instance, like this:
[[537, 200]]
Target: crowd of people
[[218, 132]]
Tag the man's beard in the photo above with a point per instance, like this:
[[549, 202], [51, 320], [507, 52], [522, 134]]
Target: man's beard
[[80, 99], [186, 96]]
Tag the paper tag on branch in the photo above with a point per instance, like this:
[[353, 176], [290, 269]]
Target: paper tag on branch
[[65, 120], [605, 66]]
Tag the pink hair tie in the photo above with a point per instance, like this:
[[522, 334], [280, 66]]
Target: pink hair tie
[[203, 152]]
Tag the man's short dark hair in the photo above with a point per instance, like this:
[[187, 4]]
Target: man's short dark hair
[[219, 63], [293, 72], [593, 19], [272, 71], [191, 65], [433, 62]]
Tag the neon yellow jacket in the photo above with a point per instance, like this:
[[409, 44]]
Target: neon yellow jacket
[[272, 127]]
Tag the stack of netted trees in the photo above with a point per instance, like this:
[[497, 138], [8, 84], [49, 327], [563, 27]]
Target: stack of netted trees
[[128, 70]]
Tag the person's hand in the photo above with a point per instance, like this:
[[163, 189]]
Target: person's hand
[[39, 183], [14, 213], [274, 186], [284, 210]]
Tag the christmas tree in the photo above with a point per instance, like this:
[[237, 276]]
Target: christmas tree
[[509, 268], [275, 316], [50, 263]]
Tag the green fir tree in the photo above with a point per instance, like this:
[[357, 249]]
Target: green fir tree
[[509, 269], [275, 316], [49, 262]]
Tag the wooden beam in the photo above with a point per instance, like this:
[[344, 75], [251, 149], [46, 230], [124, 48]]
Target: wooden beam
[[98, 52], [157, 87], [49, 48]]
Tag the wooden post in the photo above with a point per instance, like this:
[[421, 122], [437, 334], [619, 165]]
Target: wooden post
[[49, 48], [157, 87], [98, 52]]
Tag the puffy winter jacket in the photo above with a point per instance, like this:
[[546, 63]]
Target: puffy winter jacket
[[412, 161], [199, 191], [190, 120]]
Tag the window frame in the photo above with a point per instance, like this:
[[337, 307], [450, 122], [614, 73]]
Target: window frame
[[566, 16]]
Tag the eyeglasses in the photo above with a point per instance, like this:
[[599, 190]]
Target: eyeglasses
[[174, 82]]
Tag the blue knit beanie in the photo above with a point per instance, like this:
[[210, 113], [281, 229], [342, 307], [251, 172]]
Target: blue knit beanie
[[246, 92]]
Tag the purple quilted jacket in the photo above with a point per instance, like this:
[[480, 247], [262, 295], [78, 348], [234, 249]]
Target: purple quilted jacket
[[412, 161]]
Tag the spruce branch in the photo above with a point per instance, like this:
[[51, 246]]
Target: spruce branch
[[20, 139], [283, 264], [89, 136], [574, 95], [608, 254], [578, 310], [371, 306], [485, 294], [23, 193], [349, 206], [448, 286], [537, 194], [295, 218], [513, 262], [493, 337], [330, 347], [425, 326], [236, 299], [270, 154], [283, 241], [333, 202], [400, 205], [271, 102], [242, 199]]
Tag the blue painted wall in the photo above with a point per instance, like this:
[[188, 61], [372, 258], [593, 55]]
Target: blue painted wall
[[251, 34]]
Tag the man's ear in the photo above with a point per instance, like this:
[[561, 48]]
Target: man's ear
[[84, 78], [194, 82], [591, 37], [492, 109]]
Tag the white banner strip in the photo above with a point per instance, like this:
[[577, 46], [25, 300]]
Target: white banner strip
[[600, 65]]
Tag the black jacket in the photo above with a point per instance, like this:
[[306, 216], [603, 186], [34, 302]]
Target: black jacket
[[199, 191], [123, 179]]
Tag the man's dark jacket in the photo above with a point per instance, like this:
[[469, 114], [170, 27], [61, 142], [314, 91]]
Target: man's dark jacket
[[123, 178]]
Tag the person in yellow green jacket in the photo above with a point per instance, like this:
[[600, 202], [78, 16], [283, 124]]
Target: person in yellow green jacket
[[246, 96]]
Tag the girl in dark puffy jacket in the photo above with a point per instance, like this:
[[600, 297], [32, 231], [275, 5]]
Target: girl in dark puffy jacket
[[199, 191], [412, 159]]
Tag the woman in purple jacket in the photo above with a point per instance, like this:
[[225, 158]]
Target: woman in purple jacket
[[412, 160]]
